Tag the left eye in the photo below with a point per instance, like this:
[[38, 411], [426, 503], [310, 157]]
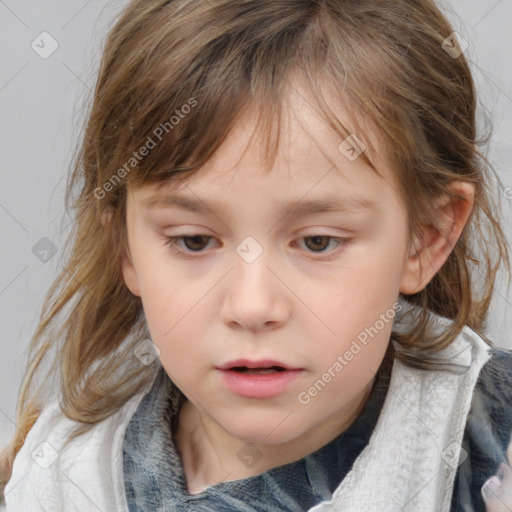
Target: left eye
[[319, 240], [196, 243]]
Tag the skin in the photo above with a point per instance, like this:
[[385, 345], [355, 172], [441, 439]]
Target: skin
[[300, 302]]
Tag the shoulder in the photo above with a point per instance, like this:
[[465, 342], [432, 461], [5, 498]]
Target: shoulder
[[487, 432], [54, 472], [497, 371], [491, 405], [492, 398]]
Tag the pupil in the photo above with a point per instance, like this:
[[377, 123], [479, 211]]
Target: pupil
[[195, 239], [317, 240]]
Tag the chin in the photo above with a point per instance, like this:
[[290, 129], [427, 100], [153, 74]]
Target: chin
[[270, 430]]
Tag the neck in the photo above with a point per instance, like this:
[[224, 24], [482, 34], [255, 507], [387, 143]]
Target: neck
[[211, 455]]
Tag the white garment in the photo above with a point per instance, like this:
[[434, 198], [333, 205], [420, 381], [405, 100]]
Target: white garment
[[409, 464]]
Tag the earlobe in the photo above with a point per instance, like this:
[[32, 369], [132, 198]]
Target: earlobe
[[430, 251], [130, 276]]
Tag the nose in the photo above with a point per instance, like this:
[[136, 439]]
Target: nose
[[255, 296]]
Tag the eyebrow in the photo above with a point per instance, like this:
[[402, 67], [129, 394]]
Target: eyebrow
[[326, 204]]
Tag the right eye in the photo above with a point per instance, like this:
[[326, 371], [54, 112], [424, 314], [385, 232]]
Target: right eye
[[193, 243]]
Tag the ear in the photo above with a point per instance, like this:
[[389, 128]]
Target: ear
[[429, 252]]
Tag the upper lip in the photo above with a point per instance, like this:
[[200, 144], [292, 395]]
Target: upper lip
[[262, 363]]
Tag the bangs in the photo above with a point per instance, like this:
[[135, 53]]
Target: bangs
[[187, 94]]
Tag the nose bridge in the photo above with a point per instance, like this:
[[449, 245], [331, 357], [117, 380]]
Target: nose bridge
[[254, 295], [251, 267], [250, 250]]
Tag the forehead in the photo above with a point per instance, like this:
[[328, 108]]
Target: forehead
[[312, 161]]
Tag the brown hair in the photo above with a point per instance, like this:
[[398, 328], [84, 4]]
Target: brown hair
[[187, 70]]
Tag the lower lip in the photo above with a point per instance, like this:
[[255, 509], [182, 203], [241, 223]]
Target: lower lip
[[259, 386]]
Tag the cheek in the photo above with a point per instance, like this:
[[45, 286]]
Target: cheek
[[358, 296], [357, 320], [176, 307], [359, 346], [165, 293], [338, 385], [174, 319], [178, 316], [374, 278]]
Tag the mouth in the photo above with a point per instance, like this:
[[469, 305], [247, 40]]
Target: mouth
[[257, 371], [261, 367], [258, 379]]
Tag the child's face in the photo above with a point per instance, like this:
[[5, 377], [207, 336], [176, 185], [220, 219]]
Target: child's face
[[257, 288]]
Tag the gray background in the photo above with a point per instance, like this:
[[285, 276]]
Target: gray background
[[41, 113]]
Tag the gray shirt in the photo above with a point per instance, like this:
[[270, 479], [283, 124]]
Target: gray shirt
[[154, 476], [155, 481]]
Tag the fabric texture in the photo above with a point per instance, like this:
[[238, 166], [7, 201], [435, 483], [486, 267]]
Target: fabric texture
[[487, 433], [412, 461], [412, 458], [154, 476]]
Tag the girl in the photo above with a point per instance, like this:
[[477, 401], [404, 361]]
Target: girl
[[283, 258]]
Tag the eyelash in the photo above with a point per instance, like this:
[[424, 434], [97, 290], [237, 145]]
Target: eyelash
[[172, 241]]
